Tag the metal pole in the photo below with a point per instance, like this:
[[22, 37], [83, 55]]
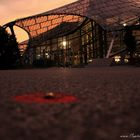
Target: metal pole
[[110, 46]]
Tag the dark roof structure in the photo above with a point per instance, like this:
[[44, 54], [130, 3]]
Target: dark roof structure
[[109, 14]]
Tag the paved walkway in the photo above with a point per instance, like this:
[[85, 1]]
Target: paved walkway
[[108, 107]]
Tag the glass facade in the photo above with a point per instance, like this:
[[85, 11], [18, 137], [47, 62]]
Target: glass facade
[[81, 31], [79, 47]]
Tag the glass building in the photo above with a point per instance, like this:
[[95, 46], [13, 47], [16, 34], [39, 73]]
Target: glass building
[[79, 32]]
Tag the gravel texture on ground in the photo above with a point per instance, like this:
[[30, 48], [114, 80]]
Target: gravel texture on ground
[[108, 106]]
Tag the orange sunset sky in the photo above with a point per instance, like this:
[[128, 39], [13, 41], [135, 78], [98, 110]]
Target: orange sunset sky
[[14, 9]]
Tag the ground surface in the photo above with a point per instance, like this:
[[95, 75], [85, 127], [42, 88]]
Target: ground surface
[[108, 106]]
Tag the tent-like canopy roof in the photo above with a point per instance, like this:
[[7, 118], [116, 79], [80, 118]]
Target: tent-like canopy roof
[[110, 14]]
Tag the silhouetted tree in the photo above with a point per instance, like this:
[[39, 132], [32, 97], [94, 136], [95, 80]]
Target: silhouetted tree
[[9, 52], [130, 42]]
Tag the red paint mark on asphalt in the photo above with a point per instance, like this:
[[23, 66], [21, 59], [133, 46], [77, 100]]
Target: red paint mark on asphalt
[[40, 98]]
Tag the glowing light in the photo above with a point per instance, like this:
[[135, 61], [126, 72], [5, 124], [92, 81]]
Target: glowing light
[[47, 55], [117, 59], [126, 60], [64, 43], [90, 60], [124, 24], [38, 56]]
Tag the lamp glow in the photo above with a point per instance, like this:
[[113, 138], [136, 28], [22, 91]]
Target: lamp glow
[[64, 43], [117, 59], [124, 24]]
